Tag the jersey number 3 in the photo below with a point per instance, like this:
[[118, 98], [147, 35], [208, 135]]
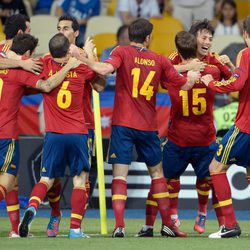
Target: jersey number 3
[[146, 89]]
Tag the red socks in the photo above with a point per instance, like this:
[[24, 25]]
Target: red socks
[[203, 188], [174, 187], [160, 193], [223, 193], [78, 202], [38, 194], [13, 208], [119, 197], [87, 186], [54, 197], [151, 210]]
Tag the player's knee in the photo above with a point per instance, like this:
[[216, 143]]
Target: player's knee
[[156, 171]]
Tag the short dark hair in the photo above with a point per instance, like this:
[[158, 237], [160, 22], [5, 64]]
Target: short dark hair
[[75, 25], [59, 45], [201, 25], [121, 31], [13, 24], [24, 42], [186, 44], [139, 30], [246, 25]]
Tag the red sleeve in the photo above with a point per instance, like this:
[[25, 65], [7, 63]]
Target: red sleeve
[[115, 57], [26, 78], [237, 81], [225, 71], [171, 76], [174, 58]]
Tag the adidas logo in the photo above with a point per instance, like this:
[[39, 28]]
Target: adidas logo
[[43, 170], [113, 156]]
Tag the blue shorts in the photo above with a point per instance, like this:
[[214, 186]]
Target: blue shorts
[[9, 156], [91, 142], [234, 148], [176, 159], [60, 150], [123, 139]]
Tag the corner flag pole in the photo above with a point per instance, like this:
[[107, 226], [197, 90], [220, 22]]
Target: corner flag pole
[[100, 166]]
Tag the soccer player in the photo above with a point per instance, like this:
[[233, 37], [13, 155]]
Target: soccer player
[[234, 146], [15, 24], [139, 72], [69, 26], [66, 137], [203, 32], [191, 137], [13, 83]]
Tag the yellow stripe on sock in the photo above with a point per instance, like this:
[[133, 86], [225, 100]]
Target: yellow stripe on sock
[[76, 216], [216, 205], [35, 198], [161, 195], [225, 203], [201, 192], [151, 203], [173, 195], [54, 199], [13, 208], [119, 197]]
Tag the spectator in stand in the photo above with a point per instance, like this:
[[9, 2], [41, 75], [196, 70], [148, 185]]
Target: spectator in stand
[[188, 11], [11, 7], [43, 6], [122, 39], [81, 10], [227, 23], [129, 10]]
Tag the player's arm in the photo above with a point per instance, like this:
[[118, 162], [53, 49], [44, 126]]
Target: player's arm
[[31, 65], [195, 65], [192, 77], [226, 60], [56, 79]]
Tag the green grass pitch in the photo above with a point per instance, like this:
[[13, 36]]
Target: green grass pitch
[[103, 242]]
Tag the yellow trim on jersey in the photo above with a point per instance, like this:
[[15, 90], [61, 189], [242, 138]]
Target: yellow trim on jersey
[[225, 83], [173, 55], [53, 200], [229, 146], [225, 203], [173, 195], [8, 156], [6, 48], [13, 208], [201, 192], [119, 197], [238, 58], [35, 198], [151, 203], [76, 216], [161, 195], [216, 205]]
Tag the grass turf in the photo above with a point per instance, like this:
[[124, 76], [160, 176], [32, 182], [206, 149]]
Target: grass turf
[[103, 242]]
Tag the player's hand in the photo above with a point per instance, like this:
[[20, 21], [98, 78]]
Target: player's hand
[[89, 46], [197, 65], [226, 60], [74, 51], [32, 65], [206, 79], [193, 76], [73, 62]]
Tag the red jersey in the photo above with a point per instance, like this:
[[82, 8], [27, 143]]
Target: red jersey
[[63, 106], [211, 58], [13, 83], [87, 107], [239, 81], [191, 115], [139, 72]]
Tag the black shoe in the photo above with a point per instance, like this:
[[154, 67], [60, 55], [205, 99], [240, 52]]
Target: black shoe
[[145, 233], [172, 231], [119, 232], [226, 232], [26, 221]]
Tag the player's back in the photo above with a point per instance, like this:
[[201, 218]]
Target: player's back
[[191, 116], [242, 119], [139, 72], [63, 106]]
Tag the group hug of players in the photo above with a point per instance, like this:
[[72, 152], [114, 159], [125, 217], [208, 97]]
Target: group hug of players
[[67, 76]]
